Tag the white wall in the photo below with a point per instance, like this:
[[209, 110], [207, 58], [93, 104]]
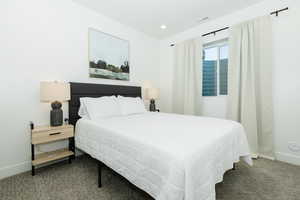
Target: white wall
[[286, 70], [48, 40]]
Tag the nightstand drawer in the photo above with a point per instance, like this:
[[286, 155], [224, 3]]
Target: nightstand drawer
[[51, 135]]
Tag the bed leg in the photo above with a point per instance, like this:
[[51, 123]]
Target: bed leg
[[233, 166], [99, 174]]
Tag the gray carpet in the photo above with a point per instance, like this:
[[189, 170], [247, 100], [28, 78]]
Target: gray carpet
[[266, 180]]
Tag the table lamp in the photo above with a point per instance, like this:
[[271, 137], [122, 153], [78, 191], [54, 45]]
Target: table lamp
[[55, 92], [146, 84], [152, 94]]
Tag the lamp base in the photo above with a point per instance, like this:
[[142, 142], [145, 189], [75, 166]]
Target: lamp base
[[152, 107], [56, 114]]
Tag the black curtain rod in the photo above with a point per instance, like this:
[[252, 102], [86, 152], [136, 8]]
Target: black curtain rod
[[276, 12], [214, 32]]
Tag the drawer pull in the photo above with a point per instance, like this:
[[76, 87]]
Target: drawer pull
[[55, 133]]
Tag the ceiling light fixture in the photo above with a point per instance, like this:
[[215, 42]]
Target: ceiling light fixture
[[163, 26]]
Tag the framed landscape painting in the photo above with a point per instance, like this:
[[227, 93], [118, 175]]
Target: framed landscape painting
[[108, 56]]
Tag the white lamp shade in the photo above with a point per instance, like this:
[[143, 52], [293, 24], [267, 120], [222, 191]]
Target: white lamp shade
[[54, 91], [152, 93], [146, 84]]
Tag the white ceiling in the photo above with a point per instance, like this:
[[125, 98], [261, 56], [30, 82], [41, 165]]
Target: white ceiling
[[178, 15]]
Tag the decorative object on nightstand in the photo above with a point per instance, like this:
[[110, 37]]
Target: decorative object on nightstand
[[47, 134], [152, 94], [55, 92]]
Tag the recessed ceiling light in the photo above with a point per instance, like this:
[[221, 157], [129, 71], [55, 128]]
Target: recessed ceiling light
[[163, 26]]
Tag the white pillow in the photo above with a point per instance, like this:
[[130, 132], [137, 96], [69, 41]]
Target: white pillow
[[101, 107], [131, 105], [82, 112]]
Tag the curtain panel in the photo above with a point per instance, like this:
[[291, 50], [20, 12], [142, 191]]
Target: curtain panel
[[250, 99], [187, 77]]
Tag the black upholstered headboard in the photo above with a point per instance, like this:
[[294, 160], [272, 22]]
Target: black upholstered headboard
[[96, 90]]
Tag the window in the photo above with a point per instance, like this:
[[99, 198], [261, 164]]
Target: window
[[215, 68]]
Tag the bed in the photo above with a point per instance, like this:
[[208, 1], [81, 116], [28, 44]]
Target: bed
[[169, 156]]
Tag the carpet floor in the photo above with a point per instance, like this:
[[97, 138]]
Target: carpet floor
[[266, 180]]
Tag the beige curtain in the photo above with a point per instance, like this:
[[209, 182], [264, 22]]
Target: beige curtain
[[187, 79], [250, 82]]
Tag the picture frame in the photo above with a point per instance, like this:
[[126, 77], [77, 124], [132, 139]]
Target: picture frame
[[108, 56]]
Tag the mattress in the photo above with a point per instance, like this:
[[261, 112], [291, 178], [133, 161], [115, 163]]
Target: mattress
[[169, 156]]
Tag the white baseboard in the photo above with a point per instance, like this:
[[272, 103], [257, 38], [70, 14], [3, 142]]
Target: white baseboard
[[15, 169], [289, 158], [266, 157], [12, 170]]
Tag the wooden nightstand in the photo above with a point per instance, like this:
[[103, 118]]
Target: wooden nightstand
[[47, 134]]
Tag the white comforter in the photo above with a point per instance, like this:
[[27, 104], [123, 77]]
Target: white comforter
[[171, 157]]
